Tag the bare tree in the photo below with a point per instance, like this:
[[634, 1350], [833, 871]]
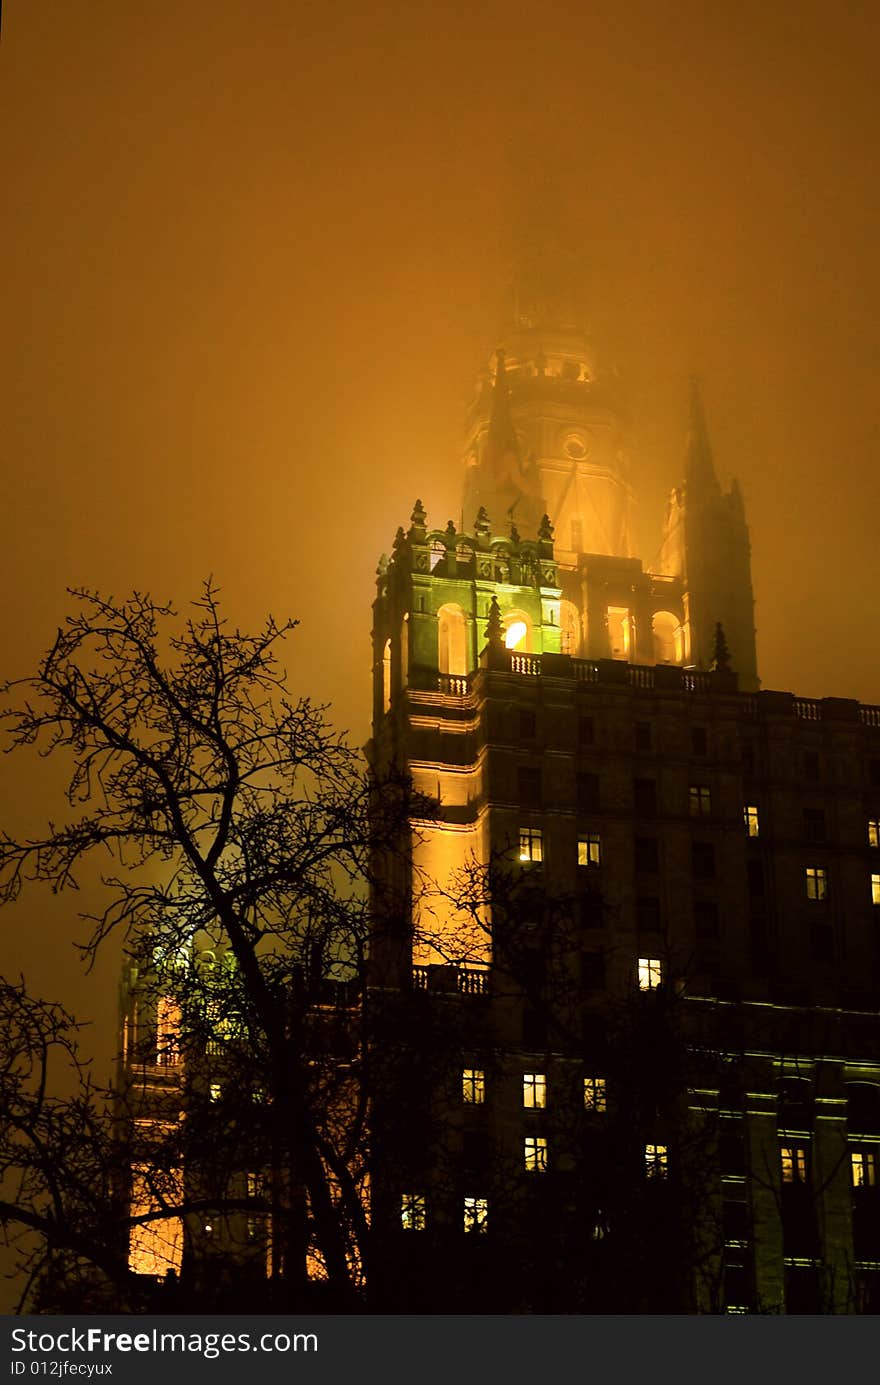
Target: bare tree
[[237, 822]]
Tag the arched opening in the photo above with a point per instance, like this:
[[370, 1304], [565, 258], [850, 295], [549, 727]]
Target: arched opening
[[452, 640], [517, 632], [569, 628], [666, 629], [620, 632]]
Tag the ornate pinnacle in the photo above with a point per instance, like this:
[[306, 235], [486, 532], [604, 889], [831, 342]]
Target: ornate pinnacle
[[482, 526], [494, 631], [418, 516], [545, 530]]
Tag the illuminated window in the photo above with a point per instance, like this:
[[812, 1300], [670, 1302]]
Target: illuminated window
[[534, 1090], [589, 853], [875, 889], [412, 1211], [531, 844], [750, 816], [452, 640], [569, 622], [700, 800], [874, 832], [167, 1031], [863, 1163], [594, 1094], [473, 1086], [656, 1161], [816, 882], [215, 1091], [535, 1154], [476, 1214], [620, 631], [650, 973], [386, 676], [516, 632], [664, 627], [794, 1163]]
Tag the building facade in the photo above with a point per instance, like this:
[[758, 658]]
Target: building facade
[[625, 978]]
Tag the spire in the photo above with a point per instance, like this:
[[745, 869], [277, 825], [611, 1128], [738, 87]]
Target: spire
[[699, 470]]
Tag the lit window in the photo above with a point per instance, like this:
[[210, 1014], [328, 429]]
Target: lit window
[[656, 1161], [874, 832], [864, 1168], [473, 1086], [875, 889], [750, 816], [816, 882], [534, 1090], [215, 1091], [650, 973], [794, 1163], [514, 637], [700, 800], [412, 1211], [536, 1154], [589, 851], [531, 844], [594, 1094], [476, 1214]]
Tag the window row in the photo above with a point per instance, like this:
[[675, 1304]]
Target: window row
[[535, 1090]]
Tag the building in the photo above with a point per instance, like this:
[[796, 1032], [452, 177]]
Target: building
[[625, 985]]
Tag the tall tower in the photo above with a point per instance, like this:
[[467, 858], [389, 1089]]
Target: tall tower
[[548, 436]]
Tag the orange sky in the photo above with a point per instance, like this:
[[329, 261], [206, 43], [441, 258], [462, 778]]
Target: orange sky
[[253, 253]]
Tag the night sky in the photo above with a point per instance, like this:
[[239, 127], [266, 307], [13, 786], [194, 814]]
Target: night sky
[[253, 255]]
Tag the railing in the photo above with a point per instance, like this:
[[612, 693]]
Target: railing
[[808, 709], [693, 682], [585, 671], [640, 675], [525, 663], [469, 979], [870, 716], [420, 978], [453, 684]]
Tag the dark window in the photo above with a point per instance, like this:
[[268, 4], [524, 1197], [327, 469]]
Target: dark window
[[644, 738], [735, 1220], [648, 914], [593, 971], [874, 771], [591, 910], [747, 753], [795, 1110], [529, 786], [738, 1293], [863, 1107], [586, 730], [699, 740], [703, 858], [811, 764], [588, 793], [802, 1289], [706, 918], [732, 1152], [756, 878], [814, 824], [645, 794], [646, 855], [530, 969], [527, 724], [758, 943]]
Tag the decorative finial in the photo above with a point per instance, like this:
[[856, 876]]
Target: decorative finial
[[451, 534], [514, 532], [545, 530], [494, 631], [399, 539], [418, 516], [720, 653], [482, 526]]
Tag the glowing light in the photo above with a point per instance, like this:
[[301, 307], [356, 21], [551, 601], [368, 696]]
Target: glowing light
[[515, 634]]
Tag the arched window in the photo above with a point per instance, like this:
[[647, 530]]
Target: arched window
[[452, 640], [667, 638], [517, 632], [569, 628], [386, 676]]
